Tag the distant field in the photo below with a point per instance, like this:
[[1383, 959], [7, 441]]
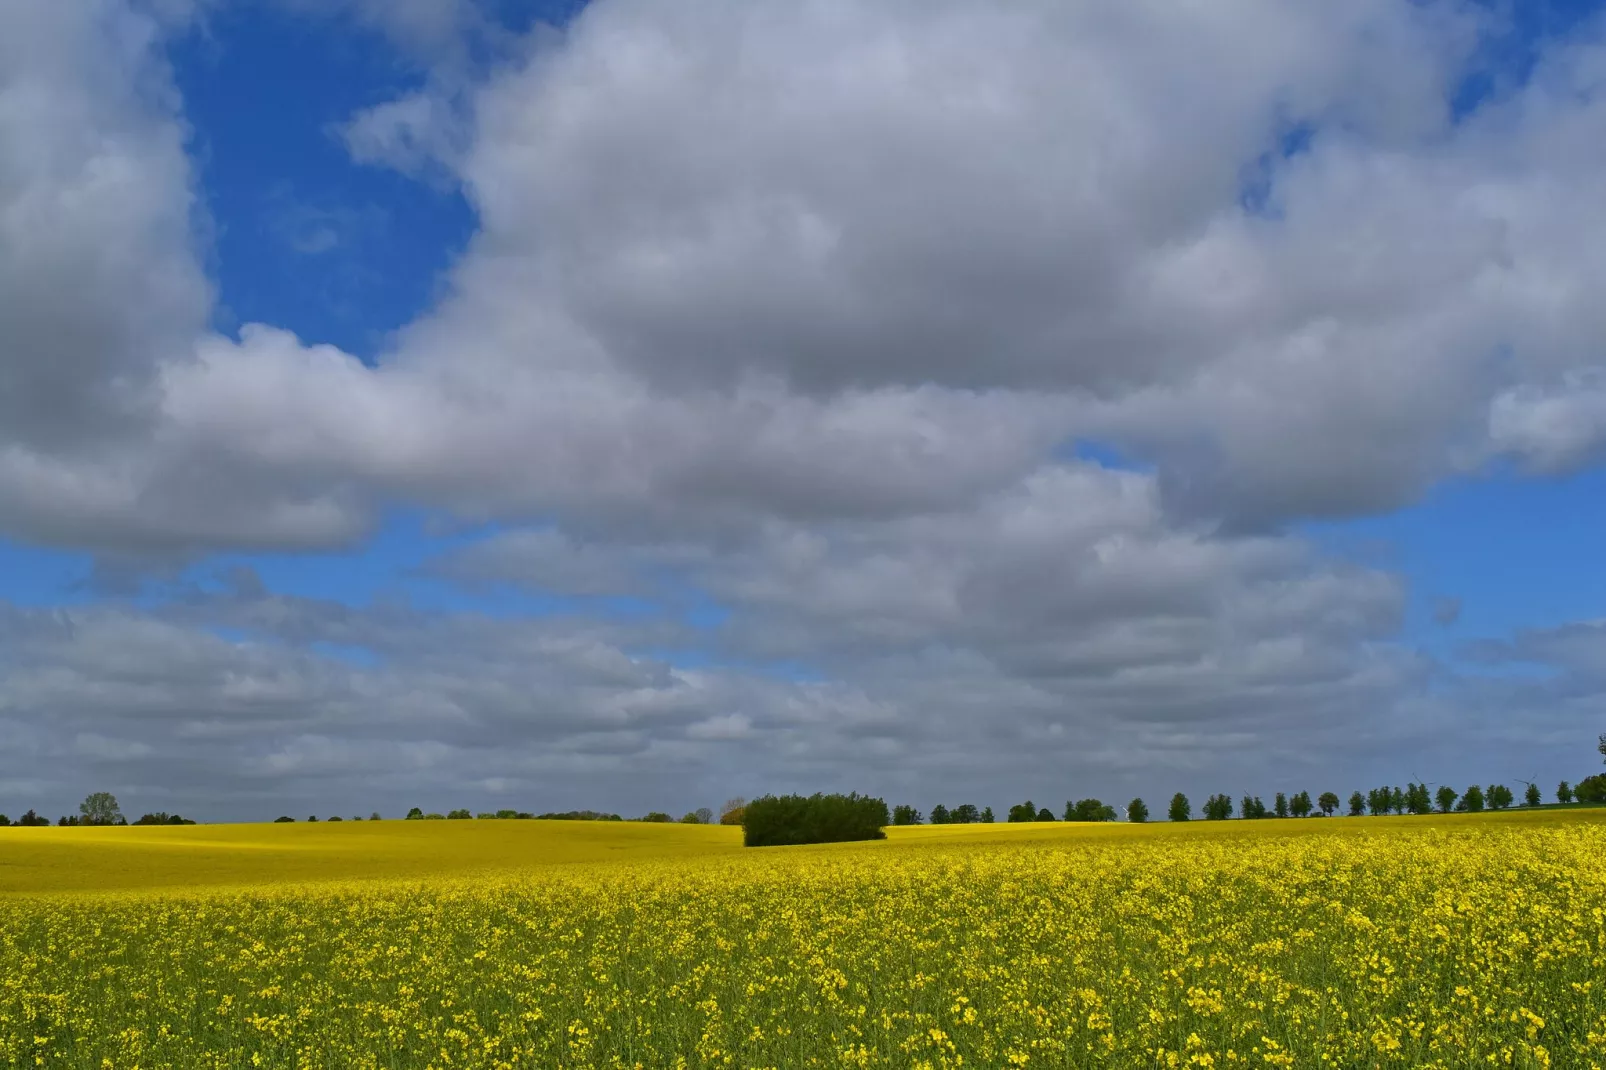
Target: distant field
[[1444, 941], [189, 856]]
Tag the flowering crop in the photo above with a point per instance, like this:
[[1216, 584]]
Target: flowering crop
[[1389, 942]]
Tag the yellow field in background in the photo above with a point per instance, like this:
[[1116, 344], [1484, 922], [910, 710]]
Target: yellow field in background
[[1446, 941], [58, 859]]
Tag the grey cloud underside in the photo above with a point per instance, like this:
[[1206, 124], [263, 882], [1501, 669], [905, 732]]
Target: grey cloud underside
[[798, 308]]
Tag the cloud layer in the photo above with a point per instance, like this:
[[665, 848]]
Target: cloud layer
[[802, 310]]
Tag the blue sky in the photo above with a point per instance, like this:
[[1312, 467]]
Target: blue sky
[[727, 426]]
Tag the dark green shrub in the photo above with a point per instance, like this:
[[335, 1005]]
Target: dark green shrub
[[1591, 789], [1089, 810], [787, 819]]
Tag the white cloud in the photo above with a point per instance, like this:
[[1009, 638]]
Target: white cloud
[[801, 304]]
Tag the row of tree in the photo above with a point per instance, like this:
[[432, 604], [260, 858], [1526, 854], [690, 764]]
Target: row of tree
[[1412, 799], [100, 808]]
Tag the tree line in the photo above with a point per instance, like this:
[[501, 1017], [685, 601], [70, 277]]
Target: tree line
[[1412, 799], [99, 808]]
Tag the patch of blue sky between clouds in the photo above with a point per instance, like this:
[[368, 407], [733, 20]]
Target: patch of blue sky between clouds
[[302, 237], [1518, 552], [1102, 453], [33, 576], [1506, 58]]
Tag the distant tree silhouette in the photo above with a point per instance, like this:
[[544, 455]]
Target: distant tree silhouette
[[1564, 792], [99, 808], [964, 814], [1045, 814], [1472, 801], [1137, 811], [905, 815], [1445, 797], [1217, 808], [986, 815], [282, 820], [1533, 796], [1500, 797], [940, 815], [1300, 805], [415, 814], [1089, 810], [819, 818], [1179, 810], [1357, 804], [1026, 811], [1328, 802]]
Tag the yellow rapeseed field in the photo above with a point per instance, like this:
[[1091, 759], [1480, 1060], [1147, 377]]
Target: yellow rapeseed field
[[1452, 942]]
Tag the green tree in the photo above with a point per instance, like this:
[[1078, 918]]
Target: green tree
[[1378, 801], [1532, 797], [1328, 802], [1500, 797], [1045, 814], [1357, 804], [1564, 792], [789, 819], [282, 818], [986, 815], [1137, 811], [939, 815], [1300, 805], [1180, 809], [1280, 805], [965, 814], [100, 809], [1446, 797], [1089, 810], [1417, 799], [905, 815], [1472, 801], [1591, 789], [1026, 811], [415, 814], [1217, 808], [465, 815]]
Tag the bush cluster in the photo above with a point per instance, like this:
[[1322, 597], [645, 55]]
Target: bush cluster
[[776, 820]]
